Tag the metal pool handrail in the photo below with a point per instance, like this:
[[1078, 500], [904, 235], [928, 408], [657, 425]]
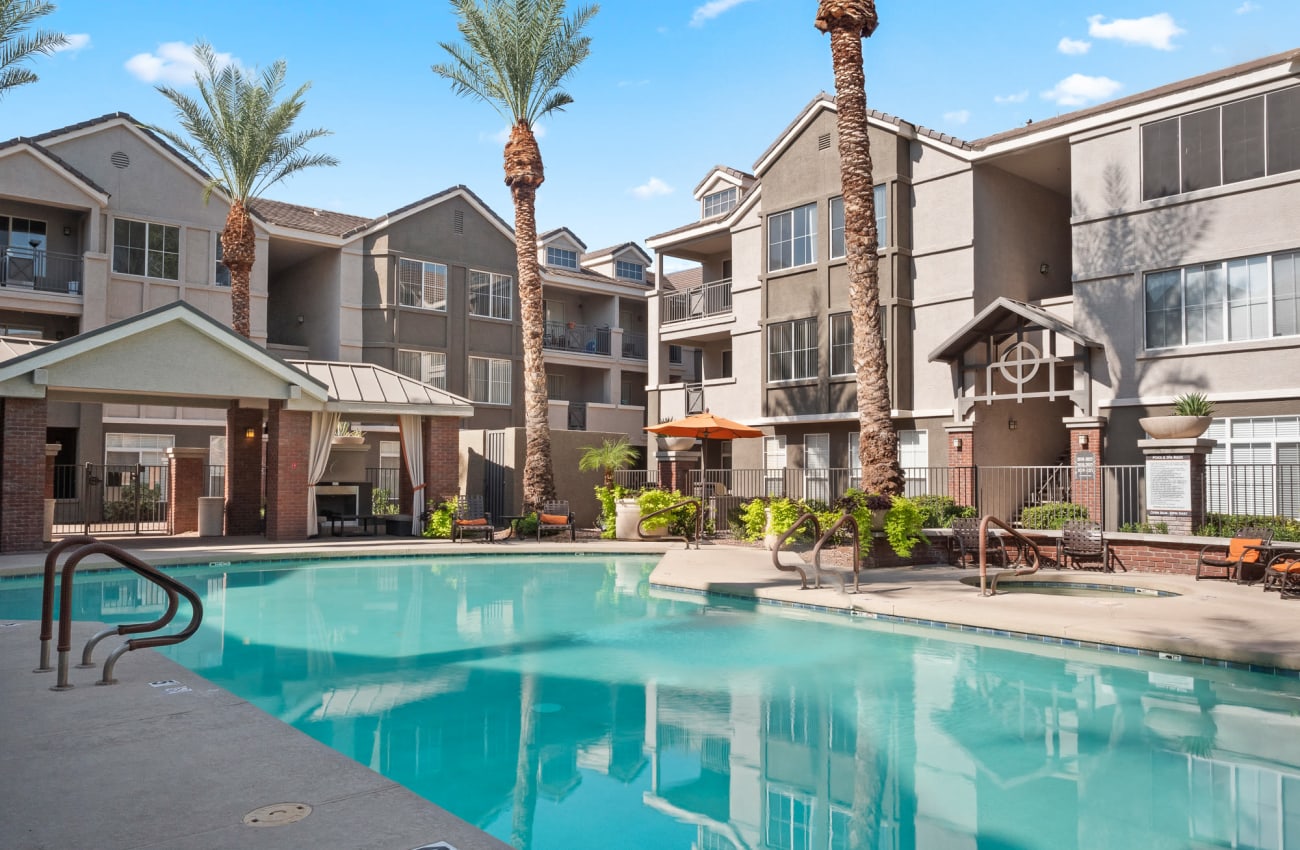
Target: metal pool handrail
[[849, 521], [694, 505], [1028, 569], [786, 535]]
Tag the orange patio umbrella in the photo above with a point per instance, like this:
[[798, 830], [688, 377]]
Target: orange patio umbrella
[[704, 426]]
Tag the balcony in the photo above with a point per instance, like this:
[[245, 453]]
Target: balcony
[[698, 302], [568, 336], [42, 271], [635, 345]]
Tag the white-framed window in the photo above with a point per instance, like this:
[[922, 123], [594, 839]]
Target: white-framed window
[[789, 819], [561, 258], [28, 331], [390, 470], [422, 284], [1255, 466], [146, 248], [842, 344], [490, 294], [626, 270], [855, 460], [554, 386], [489, 380], [390, 454], [880, 195], [221, 274], [1241, 299], [817, 466], [719, 203], [136, 450], [774, 465], [674, 354], [429, 367], [914, 458], [792, 350], [792, 238]]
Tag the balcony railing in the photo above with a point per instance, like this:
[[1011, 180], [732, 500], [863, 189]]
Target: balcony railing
[[43, 271], [698, 302], [635, 345], [568, 336]]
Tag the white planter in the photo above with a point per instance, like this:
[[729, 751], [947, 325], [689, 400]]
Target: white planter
[[349, 440], [627, 513], [677, 444], [1175, 427]]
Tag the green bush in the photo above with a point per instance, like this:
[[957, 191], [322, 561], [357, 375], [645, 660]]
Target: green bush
[[680, 522], [439, 524], [124, 509], [1144, 528], [752, 520], [608, 497], [903, 526], [1051, 515], [1223, 525], [380, 502], [940, 511]]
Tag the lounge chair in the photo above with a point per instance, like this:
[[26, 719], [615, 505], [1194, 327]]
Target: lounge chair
[[1245, 551], [470, 518], [1083, 543], [556, 516], [1283, 574], [966, 544]]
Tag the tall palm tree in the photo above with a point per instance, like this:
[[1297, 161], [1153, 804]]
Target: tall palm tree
[[849, 22], [515, 56], [16, 48], [246, 141]]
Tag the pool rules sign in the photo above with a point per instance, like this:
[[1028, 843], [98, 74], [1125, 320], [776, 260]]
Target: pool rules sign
[[1169, 484], [1175, 482]]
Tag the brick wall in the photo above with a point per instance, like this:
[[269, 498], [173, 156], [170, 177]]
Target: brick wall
[[243, 472], [287, 449], [185, 484], [22, 473], [441, 457], [961, 466]]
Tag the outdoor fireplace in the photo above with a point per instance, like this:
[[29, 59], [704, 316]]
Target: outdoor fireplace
[[338, 499]]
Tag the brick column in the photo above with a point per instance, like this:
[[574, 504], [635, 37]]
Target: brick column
[[675, 470], [187, 468], [288, 450], [51, 452], [243, 471], [441, 458], [1087, 435], [1175, 482], [961, 462], [22, 473]]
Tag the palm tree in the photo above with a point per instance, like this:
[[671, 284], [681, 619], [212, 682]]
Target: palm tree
[[246, 140], [848, 22], [607, 457], [16, 48], [515, 56]]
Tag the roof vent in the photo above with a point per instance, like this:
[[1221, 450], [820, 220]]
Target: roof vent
[[120, 159], [824, 142], [458, 221]]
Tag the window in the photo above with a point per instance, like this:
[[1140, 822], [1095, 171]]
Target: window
[[789, 820], [1255, 466], [1241, 299], [561, 258], [792, 350], [625, 390], [221, 276], [817, 467], [147, 249], [629, 271], [489, 294], [554, 386], [389, 476], [428, 367], [132, 450], [792, 238], [489, 380], [774, 465], [842, 344], [879, 199], [914, 458], [1221, 145], [726, 364], [719, 203], [855, 460], [674, 354], [421, 284]]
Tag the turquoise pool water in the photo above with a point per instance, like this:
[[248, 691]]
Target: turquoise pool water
[[563, 703]]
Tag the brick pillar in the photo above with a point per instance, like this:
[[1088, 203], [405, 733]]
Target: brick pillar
[[187, 469], [243, 471], [1175, 482], [1087, 434], [441, 458], [961, 462], [288, 450], [22, 473], [675, 470], [51, 452]]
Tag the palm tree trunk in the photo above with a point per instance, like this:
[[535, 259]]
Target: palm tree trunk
[[523, 164], [238, 250], [848, 22]]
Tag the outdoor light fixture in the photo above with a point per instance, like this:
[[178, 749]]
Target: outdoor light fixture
[[67, 231], [1011, 424], [301, 319], [1083, 441], [956, 443], [250, 433], [1044, 268]]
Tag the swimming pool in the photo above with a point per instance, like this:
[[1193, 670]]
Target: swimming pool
[[562, 703]]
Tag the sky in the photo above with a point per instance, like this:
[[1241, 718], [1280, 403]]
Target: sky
[[671, 88]]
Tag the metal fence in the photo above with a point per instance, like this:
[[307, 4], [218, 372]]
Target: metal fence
[[387, 479], [44, 271], [571, 336]]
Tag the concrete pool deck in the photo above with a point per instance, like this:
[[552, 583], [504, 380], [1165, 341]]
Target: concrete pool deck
[[165, 759]]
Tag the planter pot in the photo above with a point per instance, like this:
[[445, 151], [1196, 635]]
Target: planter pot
[[878, 519], [348, 441], [770, 538], [677, 444], [1175, 427], [627, 513]]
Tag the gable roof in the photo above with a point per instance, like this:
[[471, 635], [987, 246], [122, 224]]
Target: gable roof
[[459, 190], [301, 217], [740, 178], [996, 317], [552, 234], [21, 142], [601, 253], [367, 388]]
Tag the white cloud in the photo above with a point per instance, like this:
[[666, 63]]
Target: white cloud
[[502, 136], [1247, 7], [1155, 31], [711, 10], [1078, 89], [653, 187], [957, 116], [76, 41], [1018, 97], [174, 64], [1073, 46]]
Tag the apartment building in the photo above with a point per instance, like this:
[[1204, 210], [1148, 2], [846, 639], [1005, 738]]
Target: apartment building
[[1041, 289]]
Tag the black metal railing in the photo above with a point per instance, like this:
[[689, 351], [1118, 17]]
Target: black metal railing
[[636, 345], [570, 336], [43, 271], [698, 302]]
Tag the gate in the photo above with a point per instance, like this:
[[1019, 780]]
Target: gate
[[111, 498], [494, 473]]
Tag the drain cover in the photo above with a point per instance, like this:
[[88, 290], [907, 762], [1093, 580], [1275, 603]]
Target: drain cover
[[277, 814]]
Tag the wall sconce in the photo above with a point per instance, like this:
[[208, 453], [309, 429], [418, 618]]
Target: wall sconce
[[1011, 424], [956, 443], [67, 231], [1044, 268], [1083, 441], [250, 433], [301, 318]]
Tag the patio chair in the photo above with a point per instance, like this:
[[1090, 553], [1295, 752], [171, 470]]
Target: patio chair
[[556, 516], [470, 518], [1283, 574], [1246, 548], [966, 544], [1083, 543]]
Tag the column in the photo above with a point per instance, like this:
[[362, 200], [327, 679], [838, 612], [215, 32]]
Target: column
[[22, 473], [288, 449], [186, 474], [441, 458], [961, 462], [675, 468], [1175, 482], [1086, 444], [243, 471]]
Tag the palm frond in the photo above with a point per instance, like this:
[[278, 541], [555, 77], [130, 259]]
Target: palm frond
[[16, 46]]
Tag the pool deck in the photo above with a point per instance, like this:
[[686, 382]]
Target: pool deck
[[145, 764]]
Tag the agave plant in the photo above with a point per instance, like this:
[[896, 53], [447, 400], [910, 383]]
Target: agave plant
[[1193, 404]]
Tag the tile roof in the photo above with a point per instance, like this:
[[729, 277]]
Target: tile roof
[[305, 218], [557, 231], [685, 279], [613, 249], [743, 176], [429, 199]]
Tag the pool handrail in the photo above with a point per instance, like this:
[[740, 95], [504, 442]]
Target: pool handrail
[[1026, 545], [786, 535], [47, 594], [847, 520], [693, 504]]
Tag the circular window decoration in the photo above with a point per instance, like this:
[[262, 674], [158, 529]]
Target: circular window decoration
[[1019, 363]]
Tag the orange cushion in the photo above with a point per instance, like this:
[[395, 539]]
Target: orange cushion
[[1290, 565], [1237, 549], [553, 519], [479, 521]]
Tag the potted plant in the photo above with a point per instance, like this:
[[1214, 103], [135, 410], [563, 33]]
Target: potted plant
[[1192, 415], [609, 456], [346, 435]]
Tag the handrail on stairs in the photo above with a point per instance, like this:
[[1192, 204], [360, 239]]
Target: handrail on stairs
[[849, 521], [693, 504], [85, 546], [1026, 545], [786, 535]]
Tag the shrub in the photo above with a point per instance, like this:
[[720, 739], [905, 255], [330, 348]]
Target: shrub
[[903, 526], [752, 519], [380, 502], [679, 522], [608, 498], [940, 511], [1051, 515], [1223, 525], [123, 509], [439, 523], [1144, 528]]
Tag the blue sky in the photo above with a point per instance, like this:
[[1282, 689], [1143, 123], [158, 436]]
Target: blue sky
[[672, 86]]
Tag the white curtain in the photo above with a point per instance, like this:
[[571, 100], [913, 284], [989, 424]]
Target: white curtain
[[413, 453], [323, 424]]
